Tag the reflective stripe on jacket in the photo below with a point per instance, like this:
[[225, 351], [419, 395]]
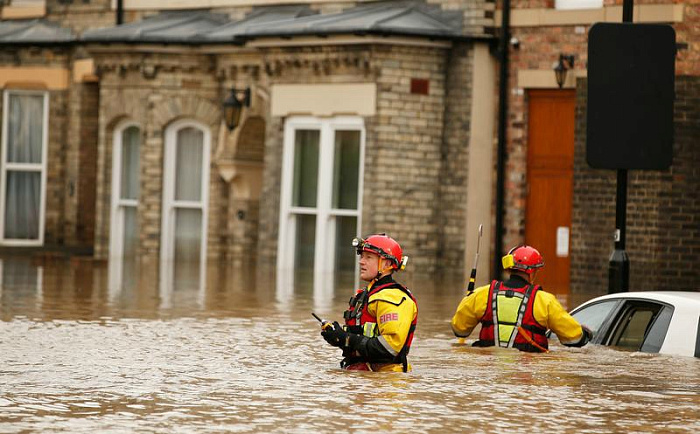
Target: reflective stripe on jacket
[[509, 314]]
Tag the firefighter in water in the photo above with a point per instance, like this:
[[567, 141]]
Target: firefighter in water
[[516, 313], [382, 317]]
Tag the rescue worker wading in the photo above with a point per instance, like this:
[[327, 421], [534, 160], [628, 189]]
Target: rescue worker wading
[[517, 313], [382, 317]]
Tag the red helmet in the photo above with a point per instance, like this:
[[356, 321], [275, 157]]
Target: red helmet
[[523, 258], [384, 246]]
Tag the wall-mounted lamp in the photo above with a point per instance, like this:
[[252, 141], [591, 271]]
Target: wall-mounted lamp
[[233, 106], [566, 62]]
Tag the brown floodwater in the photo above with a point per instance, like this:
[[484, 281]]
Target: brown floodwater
[[88, 348]]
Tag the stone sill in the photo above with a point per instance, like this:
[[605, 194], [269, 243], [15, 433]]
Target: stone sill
[[22, 12], [666, 13]]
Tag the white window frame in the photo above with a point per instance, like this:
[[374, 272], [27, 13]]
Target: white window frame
[[116, 248], [169, 204], [325, 230], [27, 167]]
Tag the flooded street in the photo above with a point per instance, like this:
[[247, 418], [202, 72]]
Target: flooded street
[[85, 348]]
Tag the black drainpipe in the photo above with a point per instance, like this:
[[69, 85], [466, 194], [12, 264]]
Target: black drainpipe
[[120, 12], [502, 125]]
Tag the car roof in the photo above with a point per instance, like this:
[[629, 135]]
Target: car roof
[[675, 298]]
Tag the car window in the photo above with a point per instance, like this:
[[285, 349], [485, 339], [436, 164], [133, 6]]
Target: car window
[[594, 315], [633, 324], [657, 333]]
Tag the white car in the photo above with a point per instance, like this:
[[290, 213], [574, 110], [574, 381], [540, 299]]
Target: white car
[[650, 321]]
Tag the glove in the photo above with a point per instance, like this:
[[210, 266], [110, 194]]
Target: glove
[[335, 335]]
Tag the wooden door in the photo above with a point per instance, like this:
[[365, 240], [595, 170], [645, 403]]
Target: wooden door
[[550, 164]]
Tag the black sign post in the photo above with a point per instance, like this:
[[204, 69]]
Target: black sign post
[[631, 71], [619, 266]]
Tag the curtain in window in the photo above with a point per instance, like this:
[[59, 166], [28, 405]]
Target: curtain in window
[[23, 187], [306, 156], [130, 188], [188, 187], [188, 164], [131, 167]]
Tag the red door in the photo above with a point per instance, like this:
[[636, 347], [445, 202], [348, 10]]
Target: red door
[[550, 164]]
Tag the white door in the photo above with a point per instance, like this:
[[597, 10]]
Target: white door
[[321, 199], [23, 167]]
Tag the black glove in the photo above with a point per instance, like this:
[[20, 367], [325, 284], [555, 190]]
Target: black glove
[[588, 334], [335, 335]]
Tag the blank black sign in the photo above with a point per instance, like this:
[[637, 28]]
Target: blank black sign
[[631, 69]]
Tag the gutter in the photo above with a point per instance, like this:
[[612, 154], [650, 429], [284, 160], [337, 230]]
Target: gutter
[[502, 138]]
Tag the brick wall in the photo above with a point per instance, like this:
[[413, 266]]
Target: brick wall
[[663, 227], [403, 153], [87, 167], [455, 160]]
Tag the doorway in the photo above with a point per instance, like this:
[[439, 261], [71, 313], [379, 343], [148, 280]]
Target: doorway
[[550, 168]]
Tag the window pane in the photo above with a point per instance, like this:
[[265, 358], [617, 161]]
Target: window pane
[[634, 330], [26, 118], [594, 315], [188, 164], [131, 140], [345, 257], [656, 336], [305, 185], [305, 245], [22, 205], [346, 169], [131, 231], [188, 233]]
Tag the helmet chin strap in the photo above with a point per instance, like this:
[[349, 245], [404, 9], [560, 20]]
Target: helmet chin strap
[[380, 272]]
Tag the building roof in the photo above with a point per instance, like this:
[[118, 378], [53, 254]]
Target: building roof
[[390, 18], [33, 32], [408, 18], [166, 27], [259, 18], [400, 18]]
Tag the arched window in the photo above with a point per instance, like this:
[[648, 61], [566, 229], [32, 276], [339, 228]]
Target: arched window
[[185, 192], [126, 187]]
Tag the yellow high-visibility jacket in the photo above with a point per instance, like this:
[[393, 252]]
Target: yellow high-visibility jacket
[[395, 312], [547, 311]]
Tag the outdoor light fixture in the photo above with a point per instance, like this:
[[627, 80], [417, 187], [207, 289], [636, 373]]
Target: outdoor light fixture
[[566, 62], [233, 106]]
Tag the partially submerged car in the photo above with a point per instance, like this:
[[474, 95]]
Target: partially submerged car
[[650, 321]]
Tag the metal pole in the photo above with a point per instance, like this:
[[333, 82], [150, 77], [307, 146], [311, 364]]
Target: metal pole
[[120, 12], [619, 267], [502, 128]]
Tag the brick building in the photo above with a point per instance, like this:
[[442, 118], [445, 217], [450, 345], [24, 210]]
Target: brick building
[[359, 120], [663, 229], [364, 116]]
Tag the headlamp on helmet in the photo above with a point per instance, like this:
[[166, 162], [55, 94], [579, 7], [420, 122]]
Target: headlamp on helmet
[[523, 258], [384, 246]]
